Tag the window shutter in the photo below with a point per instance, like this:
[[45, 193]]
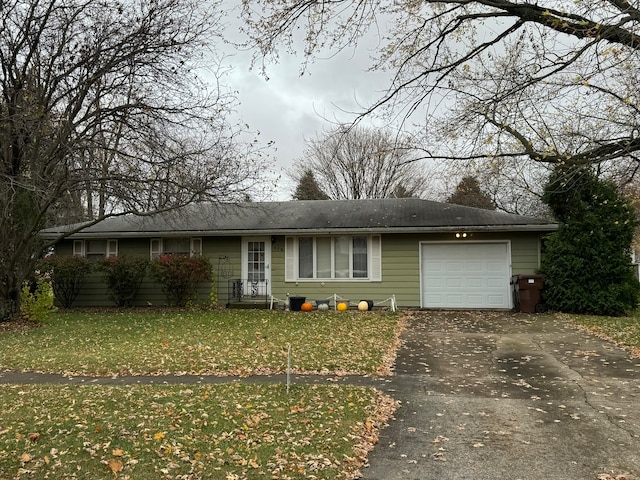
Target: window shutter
[[196, 246], [376, 258], [112, 248], [290, 259], [156, 247], [78, 248]]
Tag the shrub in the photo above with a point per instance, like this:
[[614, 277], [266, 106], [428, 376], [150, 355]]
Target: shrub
[[179, 275], [37, 303], [67, 276], [586, 263], [123, 276]]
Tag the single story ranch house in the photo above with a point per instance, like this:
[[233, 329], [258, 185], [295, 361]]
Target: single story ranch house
[[423, 253]]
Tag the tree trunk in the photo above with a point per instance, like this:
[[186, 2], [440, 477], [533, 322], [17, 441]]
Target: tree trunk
[[9, 300]]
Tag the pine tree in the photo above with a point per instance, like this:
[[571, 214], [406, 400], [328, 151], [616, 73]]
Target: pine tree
[[308, 188], [469, 194], [586, 263]]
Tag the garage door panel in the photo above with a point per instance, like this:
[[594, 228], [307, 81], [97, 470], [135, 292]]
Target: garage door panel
[[494, 282], [434, 284], [474, 267], [471, 275], [456, 301], [435, 267], [475, 282], [474, 299], [495, 299], [436, 300], [454, 266]]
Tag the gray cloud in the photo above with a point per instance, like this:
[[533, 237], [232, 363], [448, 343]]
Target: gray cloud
[[289, 107]]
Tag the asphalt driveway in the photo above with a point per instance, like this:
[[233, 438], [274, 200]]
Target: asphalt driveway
[[509, 396]]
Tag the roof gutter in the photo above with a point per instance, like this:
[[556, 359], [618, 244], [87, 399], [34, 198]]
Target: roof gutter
[[315, 231]]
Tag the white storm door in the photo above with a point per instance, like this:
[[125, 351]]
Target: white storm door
[[256, 266]]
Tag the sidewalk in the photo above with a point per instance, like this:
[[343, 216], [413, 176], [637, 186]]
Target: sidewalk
[[34, 378]]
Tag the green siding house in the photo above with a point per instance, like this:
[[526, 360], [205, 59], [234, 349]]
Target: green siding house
[[421, 253]]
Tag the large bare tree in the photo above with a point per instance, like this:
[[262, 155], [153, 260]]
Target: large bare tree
[[363, 162], [102, 112], [545, 81]]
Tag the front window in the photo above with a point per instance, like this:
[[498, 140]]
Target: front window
[[95, 249], [305, 257], [360, 258], [328, 258], [176, 245]]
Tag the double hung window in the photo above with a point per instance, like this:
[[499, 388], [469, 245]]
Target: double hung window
[[344, 257], [95, 249], [176, 245]]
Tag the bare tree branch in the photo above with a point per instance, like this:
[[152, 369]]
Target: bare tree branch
[[103, 112], [359, 162], [520, 72]]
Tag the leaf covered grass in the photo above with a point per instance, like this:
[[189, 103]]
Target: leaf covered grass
[[229, 431], [624, 331], [230, 342]]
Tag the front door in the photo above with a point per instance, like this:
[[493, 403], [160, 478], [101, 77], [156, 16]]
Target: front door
[[256, 266]]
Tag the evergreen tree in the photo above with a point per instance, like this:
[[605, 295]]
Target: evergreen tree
[[469, 194], [586, 263], [308, 188]]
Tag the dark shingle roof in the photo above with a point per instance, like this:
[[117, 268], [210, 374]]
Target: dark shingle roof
[[313, 216]]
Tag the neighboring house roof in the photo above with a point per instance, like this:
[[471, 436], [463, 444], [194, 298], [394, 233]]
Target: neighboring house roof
[[391, 215]]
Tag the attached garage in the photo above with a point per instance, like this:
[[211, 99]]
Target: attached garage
[[465, 274]]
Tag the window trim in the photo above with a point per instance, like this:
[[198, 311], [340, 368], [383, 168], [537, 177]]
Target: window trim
[[292, 259], [156, 247], [79, 248]]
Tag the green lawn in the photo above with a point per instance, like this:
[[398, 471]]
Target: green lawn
[[621, 330], [142, 432], [237, 342], [229, 431]]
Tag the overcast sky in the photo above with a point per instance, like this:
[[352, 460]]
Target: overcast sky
[[287, 108]]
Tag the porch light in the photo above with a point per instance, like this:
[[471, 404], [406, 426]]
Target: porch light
[[461, 235]]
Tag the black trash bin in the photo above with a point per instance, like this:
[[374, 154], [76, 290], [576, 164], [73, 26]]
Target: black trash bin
[[528, 292], [295, 303]]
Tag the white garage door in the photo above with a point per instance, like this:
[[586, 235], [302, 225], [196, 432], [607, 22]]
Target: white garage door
[[465, 275]]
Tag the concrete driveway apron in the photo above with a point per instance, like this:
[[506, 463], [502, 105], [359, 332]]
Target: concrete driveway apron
[[488, 395]]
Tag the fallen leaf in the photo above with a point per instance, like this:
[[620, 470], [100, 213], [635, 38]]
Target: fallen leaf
[[117, 452], [25, 458], [115, 465]]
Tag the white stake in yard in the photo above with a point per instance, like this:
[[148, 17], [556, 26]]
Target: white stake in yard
[[288, 367]]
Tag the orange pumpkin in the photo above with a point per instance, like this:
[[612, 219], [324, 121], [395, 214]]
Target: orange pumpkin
[[342, 306], [306, 307]]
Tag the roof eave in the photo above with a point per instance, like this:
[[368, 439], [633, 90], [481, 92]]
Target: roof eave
[[310, 231]]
